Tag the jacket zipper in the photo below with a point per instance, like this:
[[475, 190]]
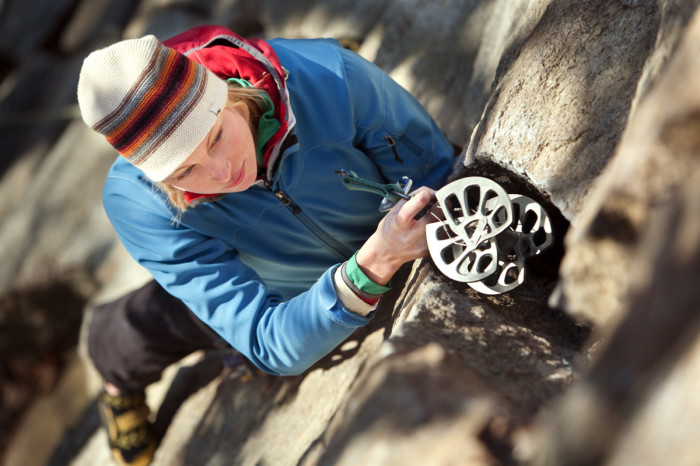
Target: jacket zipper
[[285, 200], [392, 145]]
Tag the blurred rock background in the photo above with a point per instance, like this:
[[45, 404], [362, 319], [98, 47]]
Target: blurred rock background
[[591, 107]]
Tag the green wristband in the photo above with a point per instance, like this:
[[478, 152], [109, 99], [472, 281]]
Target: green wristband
[[360, 280]]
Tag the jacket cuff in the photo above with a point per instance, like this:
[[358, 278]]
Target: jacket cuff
[[347, 296]]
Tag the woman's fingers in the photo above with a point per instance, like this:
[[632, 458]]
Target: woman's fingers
[[414, 206]]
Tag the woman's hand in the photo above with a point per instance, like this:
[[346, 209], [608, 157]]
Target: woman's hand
[[398, 238]]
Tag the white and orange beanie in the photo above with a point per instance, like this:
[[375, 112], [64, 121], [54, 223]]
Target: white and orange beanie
[[153, 104]]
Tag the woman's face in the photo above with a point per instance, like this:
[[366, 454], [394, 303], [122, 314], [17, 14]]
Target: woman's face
[[224, 162]]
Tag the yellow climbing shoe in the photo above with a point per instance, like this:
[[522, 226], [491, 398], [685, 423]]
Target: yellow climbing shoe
[[131, 436]]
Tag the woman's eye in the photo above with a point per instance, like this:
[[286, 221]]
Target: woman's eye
[[218, 136], [184, 174]]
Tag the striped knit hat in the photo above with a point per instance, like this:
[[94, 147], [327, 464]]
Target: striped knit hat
[[153, 104]]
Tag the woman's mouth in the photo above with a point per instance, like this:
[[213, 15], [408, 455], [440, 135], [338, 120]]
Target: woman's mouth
[[239, 179]]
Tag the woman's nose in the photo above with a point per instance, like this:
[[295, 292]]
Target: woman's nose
[[219, 168]]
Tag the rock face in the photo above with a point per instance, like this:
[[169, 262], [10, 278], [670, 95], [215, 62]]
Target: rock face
[[654, 159], [640, 394], [591, 108], [563, 93]]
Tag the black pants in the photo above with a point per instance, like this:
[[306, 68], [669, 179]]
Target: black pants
[[133, 339]]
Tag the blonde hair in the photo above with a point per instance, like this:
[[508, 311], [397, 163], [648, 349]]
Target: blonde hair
[[251, 102]]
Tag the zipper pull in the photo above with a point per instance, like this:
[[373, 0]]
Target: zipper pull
[[283, 198], [392, 144], [287, 201]]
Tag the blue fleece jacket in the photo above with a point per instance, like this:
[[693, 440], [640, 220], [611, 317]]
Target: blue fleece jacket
[[259, 270]]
